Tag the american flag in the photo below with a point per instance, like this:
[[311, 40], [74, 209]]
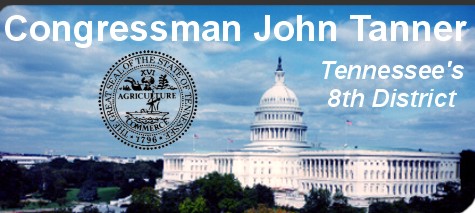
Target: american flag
[[196, 136], [230, 140], [349, 123]]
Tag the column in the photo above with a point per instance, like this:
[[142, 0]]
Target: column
[[321, 168], [437, 170], [303, 166], [423, 170], [314, 167], [337, 168], [327, 168], [405, 167], [324, 168], [342, 168], [389, 170], [312, 164], [429, 171], [332, 168], [395, 170], [309, 165]]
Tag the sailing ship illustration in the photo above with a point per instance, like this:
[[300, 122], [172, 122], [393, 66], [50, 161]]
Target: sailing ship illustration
[[149, 115]]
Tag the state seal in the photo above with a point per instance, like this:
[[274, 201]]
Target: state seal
[[148, 100]]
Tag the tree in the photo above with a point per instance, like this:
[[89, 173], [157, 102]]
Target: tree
[[58, 163], [162, 82], [215, 187], [88, 191], [171, 199], [265, 195], [11, 184], [382, 207], [144, 200], [53, 184], [340, 204], [249, 200], [262, 208], [420, 204], [222, 192], [229, 205], [128, 187], [318, 200], [196, 206]]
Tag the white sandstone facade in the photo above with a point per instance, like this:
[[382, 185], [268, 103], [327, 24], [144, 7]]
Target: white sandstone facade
[[279, 157]]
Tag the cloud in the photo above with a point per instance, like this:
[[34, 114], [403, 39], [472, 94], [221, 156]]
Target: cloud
[[217, 47]]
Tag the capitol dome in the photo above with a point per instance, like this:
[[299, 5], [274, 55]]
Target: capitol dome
[[278, 123], [279, 94]]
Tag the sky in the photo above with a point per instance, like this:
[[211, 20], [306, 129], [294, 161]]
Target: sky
[[48, 90]]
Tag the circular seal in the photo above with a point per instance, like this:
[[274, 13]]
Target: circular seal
[[148, 100]]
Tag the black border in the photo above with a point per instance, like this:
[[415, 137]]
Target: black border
[[4, 3]]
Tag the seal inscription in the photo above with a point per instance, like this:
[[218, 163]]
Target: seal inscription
[[148, 100]]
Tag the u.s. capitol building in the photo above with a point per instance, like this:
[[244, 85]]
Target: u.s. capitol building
[[279, 156]]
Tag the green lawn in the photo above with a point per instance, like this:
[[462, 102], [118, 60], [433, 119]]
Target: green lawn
[[105, 194], [71, 195]]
